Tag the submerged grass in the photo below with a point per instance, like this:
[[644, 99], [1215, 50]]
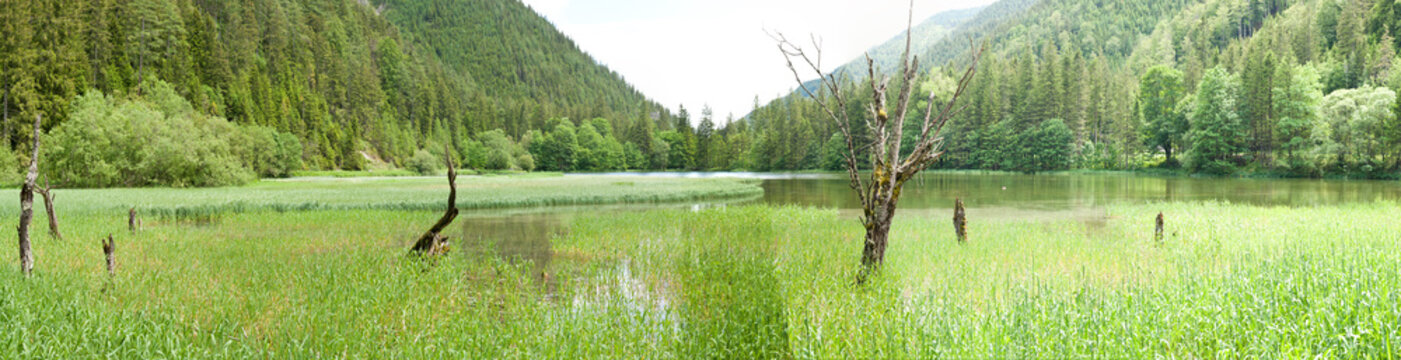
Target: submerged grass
[[1229, 281]]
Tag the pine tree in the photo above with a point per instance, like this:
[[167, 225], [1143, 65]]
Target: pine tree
[[1258, 91]]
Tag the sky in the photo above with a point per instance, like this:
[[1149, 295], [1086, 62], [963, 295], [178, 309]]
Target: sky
[[717, 52]]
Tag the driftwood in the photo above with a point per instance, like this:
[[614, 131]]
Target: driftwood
[[26, 204], [433, 242], [960, 221], [109, 247], [47, 192], [1158, 231]]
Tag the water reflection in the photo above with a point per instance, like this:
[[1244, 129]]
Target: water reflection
[[524, 235], [1054, 197]]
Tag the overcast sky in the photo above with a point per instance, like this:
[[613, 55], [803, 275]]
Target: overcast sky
[[697, 52]]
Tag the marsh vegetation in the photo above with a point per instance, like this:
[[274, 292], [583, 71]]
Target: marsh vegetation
[[714, 275]]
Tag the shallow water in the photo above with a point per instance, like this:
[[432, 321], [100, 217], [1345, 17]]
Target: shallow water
[[525, 234]]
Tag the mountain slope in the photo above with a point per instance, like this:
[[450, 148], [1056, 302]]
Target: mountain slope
[[347, 77], [886, 56], [1294, 73]]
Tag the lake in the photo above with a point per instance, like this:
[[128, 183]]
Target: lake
[[524, 234]]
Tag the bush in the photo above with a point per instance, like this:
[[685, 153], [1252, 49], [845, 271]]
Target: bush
[[424, 163], [1217, 167], [157, 140], [10, 173], [525, 162]]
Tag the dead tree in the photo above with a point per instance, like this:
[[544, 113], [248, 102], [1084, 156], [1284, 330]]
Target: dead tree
[[960, 221], [1158, 231], [889, 169], [108, 248], [47, 193], [432, 242], [26, 204]]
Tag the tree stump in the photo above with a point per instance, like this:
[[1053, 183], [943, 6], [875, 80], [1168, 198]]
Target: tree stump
[[432, 242], [960, 221], [47, 192], [1158, 231], [109, 247]]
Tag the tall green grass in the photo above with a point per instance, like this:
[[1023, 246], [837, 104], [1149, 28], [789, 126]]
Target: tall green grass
[[404, 193], [1229, 281]]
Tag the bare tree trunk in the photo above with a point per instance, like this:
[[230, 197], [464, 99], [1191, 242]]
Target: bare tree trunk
[[47, 193], [890, 169], [1158, 230], [26, 204], [432, 242], [108, 248], [960, 221]]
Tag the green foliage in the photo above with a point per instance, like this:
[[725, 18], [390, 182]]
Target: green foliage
[[1045, 148], [424, 163], [680, 149], [10, 169], [1297, 93], [1160, 92], [474, 154], [636, 160], [833, 151], [1350, 136], [343, 76], [558, 148], [493, 150], [1217, 132], [267, 152], [160, 140]]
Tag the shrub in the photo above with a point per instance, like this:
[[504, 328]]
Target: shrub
[[158, 140], [423, 162]]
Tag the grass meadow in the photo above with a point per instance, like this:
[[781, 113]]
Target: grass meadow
[[332, 281]]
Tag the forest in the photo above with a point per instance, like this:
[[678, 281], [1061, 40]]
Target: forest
[[1296, 88], [1276, 87], [357, 84]]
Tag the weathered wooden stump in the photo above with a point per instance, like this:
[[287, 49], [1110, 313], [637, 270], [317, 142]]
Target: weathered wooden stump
[[47, 192], [432, 242], [108, 248], [132, 222], [1158, 231], [960, 221]]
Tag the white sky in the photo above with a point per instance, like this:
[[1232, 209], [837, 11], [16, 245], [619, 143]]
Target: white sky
[[697, 52]]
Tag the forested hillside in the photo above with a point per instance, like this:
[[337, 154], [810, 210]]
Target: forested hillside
[[1285, 87], [886, 56], [352, 80]]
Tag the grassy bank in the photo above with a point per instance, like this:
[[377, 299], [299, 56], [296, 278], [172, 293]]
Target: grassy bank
[[396, 193], [748, 282]]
